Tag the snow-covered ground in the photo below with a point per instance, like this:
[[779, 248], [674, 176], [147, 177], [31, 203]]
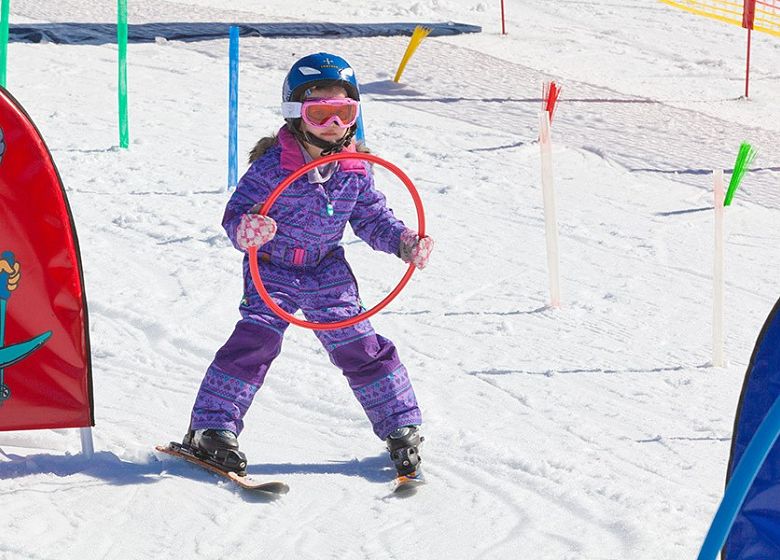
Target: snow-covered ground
[[598, 431]]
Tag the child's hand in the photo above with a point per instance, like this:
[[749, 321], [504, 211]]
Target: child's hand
[[255, 230], [414, 249]]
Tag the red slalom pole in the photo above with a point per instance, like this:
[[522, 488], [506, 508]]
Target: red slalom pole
[[748, 19], [550, 93], [503, 21], [747, 65]]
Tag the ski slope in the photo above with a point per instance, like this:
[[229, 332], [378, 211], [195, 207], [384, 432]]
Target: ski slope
[[598, 431]]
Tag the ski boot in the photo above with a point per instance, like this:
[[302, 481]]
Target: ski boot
[[218, 448], [403, 445]]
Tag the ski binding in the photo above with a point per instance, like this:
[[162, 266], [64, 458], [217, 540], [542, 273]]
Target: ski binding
[[408, 483]]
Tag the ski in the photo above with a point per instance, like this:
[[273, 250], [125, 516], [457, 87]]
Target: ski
[[408, 483], [247, 482]]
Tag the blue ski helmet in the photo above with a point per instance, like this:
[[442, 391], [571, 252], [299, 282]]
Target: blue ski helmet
[[319, 67]]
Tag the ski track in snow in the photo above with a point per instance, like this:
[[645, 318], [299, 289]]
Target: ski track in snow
[[596, 431]]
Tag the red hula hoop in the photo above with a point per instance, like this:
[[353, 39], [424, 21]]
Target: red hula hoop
[[255, 269]]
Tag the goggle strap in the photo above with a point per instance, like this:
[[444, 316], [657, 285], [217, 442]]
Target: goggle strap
[[291, 110]]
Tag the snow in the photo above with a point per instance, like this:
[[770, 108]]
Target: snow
[[596, 431]]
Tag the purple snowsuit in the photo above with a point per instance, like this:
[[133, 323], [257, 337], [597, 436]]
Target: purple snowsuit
[[304, 267]]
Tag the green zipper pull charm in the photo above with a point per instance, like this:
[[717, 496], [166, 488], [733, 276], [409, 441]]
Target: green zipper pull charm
[[329, 209]]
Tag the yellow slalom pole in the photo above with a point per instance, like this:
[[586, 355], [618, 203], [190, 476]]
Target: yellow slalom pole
[[419, 34]]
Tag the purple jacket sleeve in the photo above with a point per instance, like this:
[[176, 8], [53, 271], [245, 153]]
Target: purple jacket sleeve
[[252, 190], [373, 221]]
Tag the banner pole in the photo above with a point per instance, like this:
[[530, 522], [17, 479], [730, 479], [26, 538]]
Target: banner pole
[[87, 447]]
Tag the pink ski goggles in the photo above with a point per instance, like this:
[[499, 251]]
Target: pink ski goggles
[[321, 112]]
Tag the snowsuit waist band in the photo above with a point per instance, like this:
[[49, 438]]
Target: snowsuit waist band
[[290, 256]]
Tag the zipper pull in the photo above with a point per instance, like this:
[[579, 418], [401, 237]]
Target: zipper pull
[[329, 209]]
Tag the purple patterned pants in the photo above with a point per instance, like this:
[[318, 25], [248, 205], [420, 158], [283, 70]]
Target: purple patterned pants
[[324, 293]]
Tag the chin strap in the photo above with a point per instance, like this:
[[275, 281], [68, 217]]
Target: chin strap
[[327, 148]]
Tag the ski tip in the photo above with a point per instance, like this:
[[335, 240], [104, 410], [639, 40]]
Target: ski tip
[[166, 448], [250, 483]]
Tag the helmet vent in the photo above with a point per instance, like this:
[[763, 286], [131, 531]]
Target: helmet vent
[[308, 71]]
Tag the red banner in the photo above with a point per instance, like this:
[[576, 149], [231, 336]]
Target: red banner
[[45, 370]]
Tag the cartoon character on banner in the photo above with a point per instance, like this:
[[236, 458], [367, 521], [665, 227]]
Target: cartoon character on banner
[[10, 274]]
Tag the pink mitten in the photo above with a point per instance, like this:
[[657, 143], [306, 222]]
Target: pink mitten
[[414, 249], [255, 230]]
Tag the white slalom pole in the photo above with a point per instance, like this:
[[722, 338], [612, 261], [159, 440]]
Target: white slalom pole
[[550, 222], [87, 449], [717, 278]]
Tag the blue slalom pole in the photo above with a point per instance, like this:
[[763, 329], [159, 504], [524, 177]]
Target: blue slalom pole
[[741, 479], [360, 135], [233, 111]]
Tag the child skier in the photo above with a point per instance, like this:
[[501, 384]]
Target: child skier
[[303, 267]]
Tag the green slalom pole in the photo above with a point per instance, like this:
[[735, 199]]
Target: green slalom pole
[[6, 8], [121, 35], [745, 157]]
